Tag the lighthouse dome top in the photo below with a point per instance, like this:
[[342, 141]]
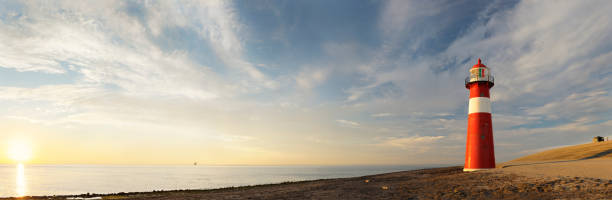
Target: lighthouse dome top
[[479, 64]]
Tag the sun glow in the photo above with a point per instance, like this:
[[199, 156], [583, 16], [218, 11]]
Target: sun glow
[[19, 151]]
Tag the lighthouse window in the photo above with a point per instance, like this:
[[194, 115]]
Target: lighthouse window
[[482, 94]]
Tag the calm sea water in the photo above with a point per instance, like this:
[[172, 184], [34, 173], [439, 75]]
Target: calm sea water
[[20, 180]]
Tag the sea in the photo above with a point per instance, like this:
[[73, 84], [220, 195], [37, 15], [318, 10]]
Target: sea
[[38, 180]]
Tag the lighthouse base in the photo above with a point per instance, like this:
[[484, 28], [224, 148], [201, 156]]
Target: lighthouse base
[[475, 169]]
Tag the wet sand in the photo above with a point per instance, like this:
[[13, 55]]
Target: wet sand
[[438, 183]]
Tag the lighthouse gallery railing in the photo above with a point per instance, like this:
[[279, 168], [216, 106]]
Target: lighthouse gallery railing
[[489, 78]]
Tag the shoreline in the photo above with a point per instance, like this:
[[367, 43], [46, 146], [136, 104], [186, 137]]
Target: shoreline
[[93, 195], [432, 183]]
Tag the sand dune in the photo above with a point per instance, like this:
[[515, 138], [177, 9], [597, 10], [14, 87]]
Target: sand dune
[[577, 152], [591, 160]]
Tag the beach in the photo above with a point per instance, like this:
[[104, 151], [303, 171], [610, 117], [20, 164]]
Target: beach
[[437, 183], [573, 172]]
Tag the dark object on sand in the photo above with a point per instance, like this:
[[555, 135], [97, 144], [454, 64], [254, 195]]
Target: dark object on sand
[[598, 139]]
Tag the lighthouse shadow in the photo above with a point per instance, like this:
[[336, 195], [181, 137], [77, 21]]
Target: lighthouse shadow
[[538, 163], [598, 155]]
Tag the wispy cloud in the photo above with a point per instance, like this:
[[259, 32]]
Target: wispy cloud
[[413, 142], [347, 123], [310, 77], [382, 115]]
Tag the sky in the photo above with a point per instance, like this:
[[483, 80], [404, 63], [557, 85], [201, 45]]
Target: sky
[[297, 82]]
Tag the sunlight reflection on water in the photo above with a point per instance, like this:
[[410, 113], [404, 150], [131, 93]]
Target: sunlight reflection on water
[[20, 182]]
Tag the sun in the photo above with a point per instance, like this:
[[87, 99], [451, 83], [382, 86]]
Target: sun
[[19, 151]]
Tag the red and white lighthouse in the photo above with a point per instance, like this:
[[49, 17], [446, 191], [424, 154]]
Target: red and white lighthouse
[[479, 151]]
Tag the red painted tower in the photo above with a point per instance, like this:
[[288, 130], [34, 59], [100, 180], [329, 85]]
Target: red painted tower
[[479, 151]]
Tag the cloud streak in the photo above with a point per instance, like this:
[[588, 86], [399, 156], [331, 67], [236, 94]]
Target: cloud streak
[[348, 123]]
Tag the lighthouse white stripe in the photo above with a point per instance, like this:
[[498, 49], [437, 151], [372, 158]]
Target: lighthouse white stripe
[[479, 105]]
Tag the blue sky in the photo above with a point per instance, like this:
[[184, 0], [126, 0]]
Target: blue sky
[[298, 82]]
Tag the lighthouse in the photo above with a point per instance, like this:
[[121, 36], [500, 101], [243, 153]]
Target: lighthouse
[[479, 151]]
